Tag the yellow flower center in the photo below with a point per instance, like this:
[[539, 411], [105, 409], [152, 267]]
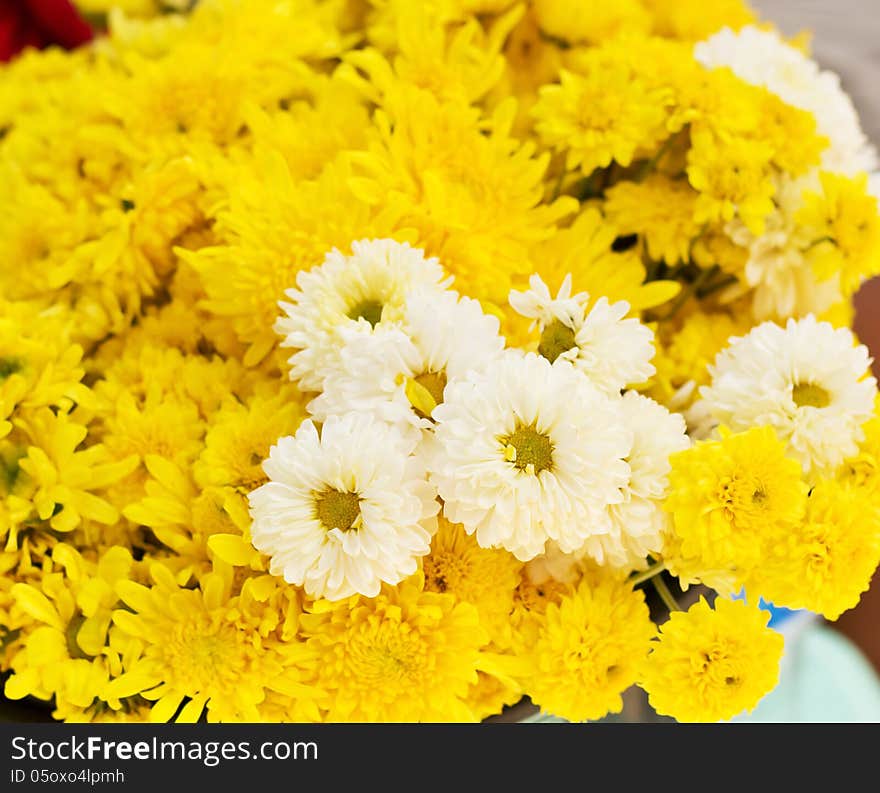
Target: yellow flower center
[[443, 571], [338, 509], [204, 655], [387, 651], [556, 339], [529, 450], [370, 310], [810, 395]]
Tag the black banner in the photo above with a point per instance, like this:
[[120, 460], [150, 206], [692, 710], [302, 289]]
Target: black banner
[[374, 757]]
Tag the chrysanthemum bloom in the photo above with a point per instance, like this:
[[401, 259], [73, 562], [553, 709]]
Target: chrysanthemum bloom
[[589, 649], [211, 648], [730, 499], [612, 351], [826, 562], [710, 665], [639, 521], [808, 380], [526, 451], [843, 225], [405, 655], [400, 373], [346, 510], [364, 289], [61, 656], [484, 577]]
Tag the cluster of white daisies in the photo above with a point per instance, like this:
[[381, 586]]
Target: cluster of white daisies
[[421, 407]]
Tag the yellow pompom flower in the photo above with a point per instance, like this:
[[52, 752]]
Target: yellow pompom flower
[[844, 222], [659, 209], [606, 113], [205, 649], [710, 665], [826, 562], [484, 577], [404, 656], [589, 649], [733, 177], [731, 498]]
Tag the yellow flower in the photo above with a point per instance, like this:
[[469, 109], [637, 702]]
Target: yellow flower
[[406, 655], [39, 366], [826, 562], [184, 519], [490, 695], [270, 226], [607, 113], [710, 665], [733, 178], [165, 426], [204, 648], [454, 63], [585, 250], [863, 471], [485, 578], [694, 20], [659, 209], [730, 499], [65, 475], [472, 192], [63, 655], [591, 22], [685, 350], [240, 435], [844, 222], [589, 649]]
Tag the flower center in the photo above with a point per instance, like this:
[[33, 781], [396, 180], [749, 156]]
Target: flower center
[[529, 450], [556, 339], [810, 395], [337, 509], [370, 310]]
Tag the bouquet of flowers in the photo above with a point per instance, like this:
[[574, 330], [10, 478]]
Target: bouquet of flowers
[[374, 360]]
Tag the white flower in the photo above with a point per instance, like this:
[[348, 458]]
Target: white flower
[[783, 281], [361, 291], [638, 522], [612, 351], [762, 57], [808, 380], [345, 511], [525, 452], [399, 373]]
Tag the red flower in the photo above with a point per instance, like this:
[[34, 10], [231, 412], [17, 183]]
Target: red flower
[[39, 23]]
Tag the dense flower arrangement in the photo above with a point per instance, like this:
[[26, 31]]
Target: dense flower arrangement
[[374, 360]]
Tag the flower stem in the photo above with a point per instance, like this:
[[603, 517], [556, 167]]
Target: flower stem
[[654, 569], [665, 595]]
